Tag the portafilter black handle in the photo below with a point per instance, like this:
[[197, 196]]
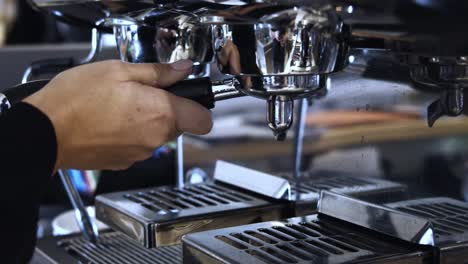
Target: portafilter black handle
[[199, 90]]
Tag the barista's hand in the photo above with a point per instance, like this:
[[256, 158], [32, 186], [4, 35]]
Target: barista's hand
[[108, 115]]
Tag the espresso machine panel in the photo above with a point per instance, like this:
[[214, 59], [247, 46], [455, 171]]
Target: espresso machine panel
[[306, 191], [161, 216], [113, 247], [297, 240], [449, 218]]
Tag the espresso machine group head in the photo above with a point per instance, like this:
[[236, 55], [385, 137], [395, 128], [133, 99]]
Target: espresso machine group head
[[278, 53]]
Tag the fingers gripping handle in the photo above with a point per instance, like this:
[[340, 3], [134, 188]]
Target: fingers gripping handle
[[198, 90]]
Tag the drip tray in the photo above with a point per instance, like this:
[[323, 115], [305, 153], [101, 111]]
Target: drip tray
[[298, 240], [161, 216], [449, 218], [113, 248], [307, 191]]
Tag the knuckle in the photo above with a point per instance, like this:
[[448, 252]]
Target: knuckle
[[156, 73], [116, 67], [166, 132], [167, 112]]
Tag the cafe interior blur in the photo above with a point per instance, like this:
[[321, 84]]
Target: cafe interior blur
[[342, 136]]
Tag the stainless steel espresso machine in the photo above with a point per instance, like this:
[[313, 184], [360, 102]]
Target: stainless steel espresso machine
[[289, 53]]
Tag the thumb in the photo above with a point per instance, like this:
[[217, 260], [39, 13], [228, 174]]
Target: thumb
[[159, 75]]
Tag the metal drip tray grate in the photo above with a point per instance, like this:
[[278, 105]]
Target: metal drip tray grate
[[297, 240], [113, 248], [307, 191], [165, 201], [161, 216], [313, 182], [449, 217]]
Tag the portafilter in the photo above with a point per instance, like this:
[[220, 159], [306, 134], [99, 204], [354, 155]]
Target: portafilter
[[278, 53]]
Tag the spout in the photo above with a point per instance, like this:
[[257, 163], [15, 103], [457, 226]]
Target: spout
[[280, 115]]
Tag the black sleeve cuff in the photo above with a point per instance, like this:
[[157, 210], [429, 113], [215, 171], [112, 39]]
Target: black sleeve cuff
[[29, 137]]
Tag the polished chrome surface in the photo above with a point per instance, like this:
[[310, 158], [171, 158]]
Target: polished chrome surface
[[89, 12], [265, 184], [279, 40], [114, 247], [449, 218], [277, 53], [86, 224], [299, 138], [446, 75], [222, 92], [300, 240], [4, 103], [306, 189], [447, 215], [171, 35], [280, 110], [158, 217], [378, 218], [180, 174]]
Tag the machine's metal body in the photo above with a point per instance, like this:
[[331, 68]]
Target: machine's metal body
[[449, 219], [296, 240], [332, 239], [308, 239], [161, 216], [113, 248]]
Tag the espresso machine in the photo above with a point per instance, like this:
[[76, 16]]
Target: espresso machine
[[286, 53]]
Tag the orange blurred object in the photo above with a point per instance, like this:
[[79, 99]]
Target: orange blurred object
[[351, 118]]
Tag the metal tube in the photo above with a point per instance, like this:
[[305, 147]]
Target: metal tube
[[84, 221], [180, 179], [299, 137], [224, 92], [96, 46]]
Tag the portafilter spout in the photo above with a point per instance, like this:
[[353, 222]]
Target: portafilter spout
[[279, 53]]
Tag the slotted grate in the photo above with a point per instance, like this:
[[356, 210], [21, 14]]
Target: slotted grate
[[161, 216], [298, 240], [313, 182], [173, 200], [112, 248], [448, 216]]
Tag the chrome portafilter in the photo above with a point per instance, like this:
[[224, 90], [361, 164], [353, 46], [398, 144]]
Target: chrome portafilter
[[163, 36], [279, 53]]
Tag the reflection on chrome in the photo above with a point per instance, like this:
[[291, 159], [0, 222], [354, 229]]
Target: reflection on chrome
[[279, 53]]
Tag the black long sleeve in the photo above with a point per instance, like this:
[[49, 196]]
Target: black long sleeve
[[28, 153]]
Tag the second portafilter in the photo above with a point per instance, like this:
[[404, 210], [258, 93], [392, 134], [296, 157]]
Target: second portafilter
[[278, 53]]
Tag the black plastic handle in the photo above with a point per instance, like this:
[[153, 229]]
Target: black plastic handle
[[51, 66], [21, 91], [198, 90]]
